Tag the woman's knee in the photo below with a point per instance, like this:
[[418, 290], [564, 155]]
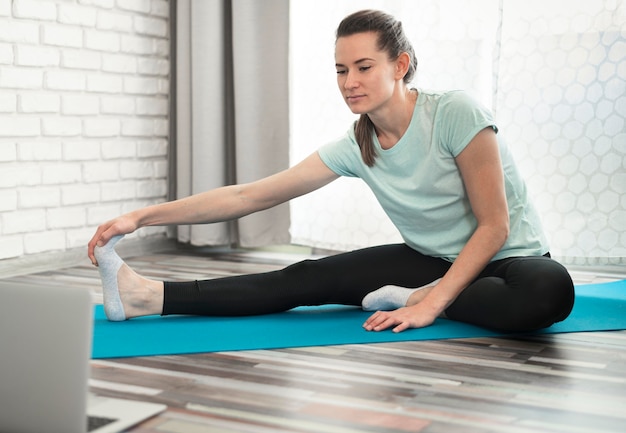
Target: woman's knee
[[527, 294], [541, 275], [549, 286]]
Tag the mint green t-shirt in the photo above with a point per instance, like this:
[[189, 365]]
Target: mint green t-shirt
[[419, 185]]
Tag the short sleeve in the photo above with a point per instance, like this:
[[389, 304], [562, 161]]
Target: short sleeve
[[459, 118], [342, 156]]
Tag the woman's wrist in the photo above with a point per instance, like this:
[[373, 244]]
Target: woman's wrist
[[138, 218], [437, 300]]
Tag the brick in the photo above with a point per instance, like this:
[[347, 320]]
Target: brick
[[39, 103], [161, 169], [38, 197], [150, 26], [64, 80], [101, 127], [142, 6], [119, 149], [8, 102], [66, 217], [28, 55], [152, 106], [60, 174], [117, 105], [162, 48], [38, 10], [5, 8], [151, 188], [141, 86], [39, 151], [164, 87], [152, 148], [114, 22], [101, 213], [6, 54], [62, 36], [8, 152], [20, 78], [11, 246], [20, 126], [100, 171], [104, 83], [102, 41], [23, 221], [78, 238], [79, 194], [136, 170], [19, 32], [117, 191], [153, 66], [81, 150], [77, 15], [137, 45], [81, 59], [8, 200], [130, 206], [160, 8], [20, 175], [80, 105], [61, 126], [49, 240], [106, 4], [119, 63], [161, 127], [137, 127]]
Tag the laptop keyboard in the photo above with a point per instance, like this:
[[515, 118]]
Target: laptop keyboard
[[95, 422]]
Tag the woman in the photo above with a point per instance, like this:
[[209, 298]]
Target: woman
[[474, 249]]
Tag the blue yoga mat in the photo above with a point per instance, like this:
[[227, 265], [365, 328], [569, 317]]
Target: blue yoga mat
[[598, 307]]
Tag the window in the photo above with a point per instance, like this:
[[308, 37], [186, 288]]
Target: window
[[554, 73]]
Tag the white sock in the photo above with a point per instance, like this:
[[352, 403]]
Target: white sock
[[389, 298], [109, 264]]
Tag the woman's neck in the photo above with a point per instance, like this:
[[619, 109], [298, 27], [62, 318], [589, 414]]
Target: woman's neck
[[392, 123]]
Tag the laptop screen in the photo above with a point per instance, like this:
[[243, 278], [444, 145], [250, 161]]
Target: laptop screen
[[45, 341]]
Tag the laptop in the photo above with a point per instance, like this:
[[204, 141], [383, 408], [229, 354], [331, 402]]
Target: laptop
[[45, 348]]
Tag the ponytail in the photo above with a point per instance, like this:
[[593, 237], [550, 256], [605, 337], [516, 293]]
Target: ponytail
[[363, 131]]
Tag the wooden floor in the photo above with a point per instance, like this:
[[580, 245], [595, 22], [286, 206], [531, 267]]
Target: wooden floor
[[550, 383]]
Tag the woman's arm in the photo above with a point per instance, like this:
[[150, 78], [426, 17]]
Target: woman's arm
[[222, 204], [481, 169]]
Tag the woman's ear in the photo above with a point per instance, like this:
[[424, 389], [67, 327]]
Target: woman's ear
[[402, 65]]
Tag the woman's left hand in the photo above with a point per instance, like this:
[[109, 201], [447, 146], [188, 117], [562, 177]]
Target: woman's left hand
[[416, 316]]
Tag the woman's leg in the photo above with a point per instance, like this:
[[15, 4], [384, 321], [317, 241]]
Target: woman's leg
[[340, 279], [516, 294]]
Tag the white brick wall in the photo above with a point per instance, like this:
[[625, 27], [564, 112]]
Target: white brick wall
[[84, 88]]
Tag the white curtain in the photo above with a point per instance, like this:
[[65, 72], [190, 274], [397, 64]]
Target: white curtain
[[553, 72], [232, 109]]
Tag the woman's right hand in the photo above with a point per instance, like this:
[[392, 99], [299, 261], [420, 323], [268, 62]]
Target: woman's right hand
[[121, 225]]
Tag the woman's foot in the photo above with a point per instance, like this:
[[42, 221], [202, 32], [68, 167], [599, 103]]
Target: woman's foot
[[126, 293], [421, 292], [389, 298]]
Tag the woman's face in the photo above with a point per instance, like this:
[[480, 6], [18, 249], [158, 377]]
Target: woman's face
[[365, 75]]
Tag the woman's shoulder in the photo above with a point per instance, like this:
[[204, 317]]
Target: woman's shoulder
[[446, 97], [454, 104], [452, 99]]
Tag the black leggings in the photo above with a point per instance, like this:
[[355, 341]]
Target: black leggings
[[514, 294]]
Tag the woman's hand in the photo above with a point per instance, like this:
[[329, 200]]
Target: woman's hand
[[119, 226], [417, 316]]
